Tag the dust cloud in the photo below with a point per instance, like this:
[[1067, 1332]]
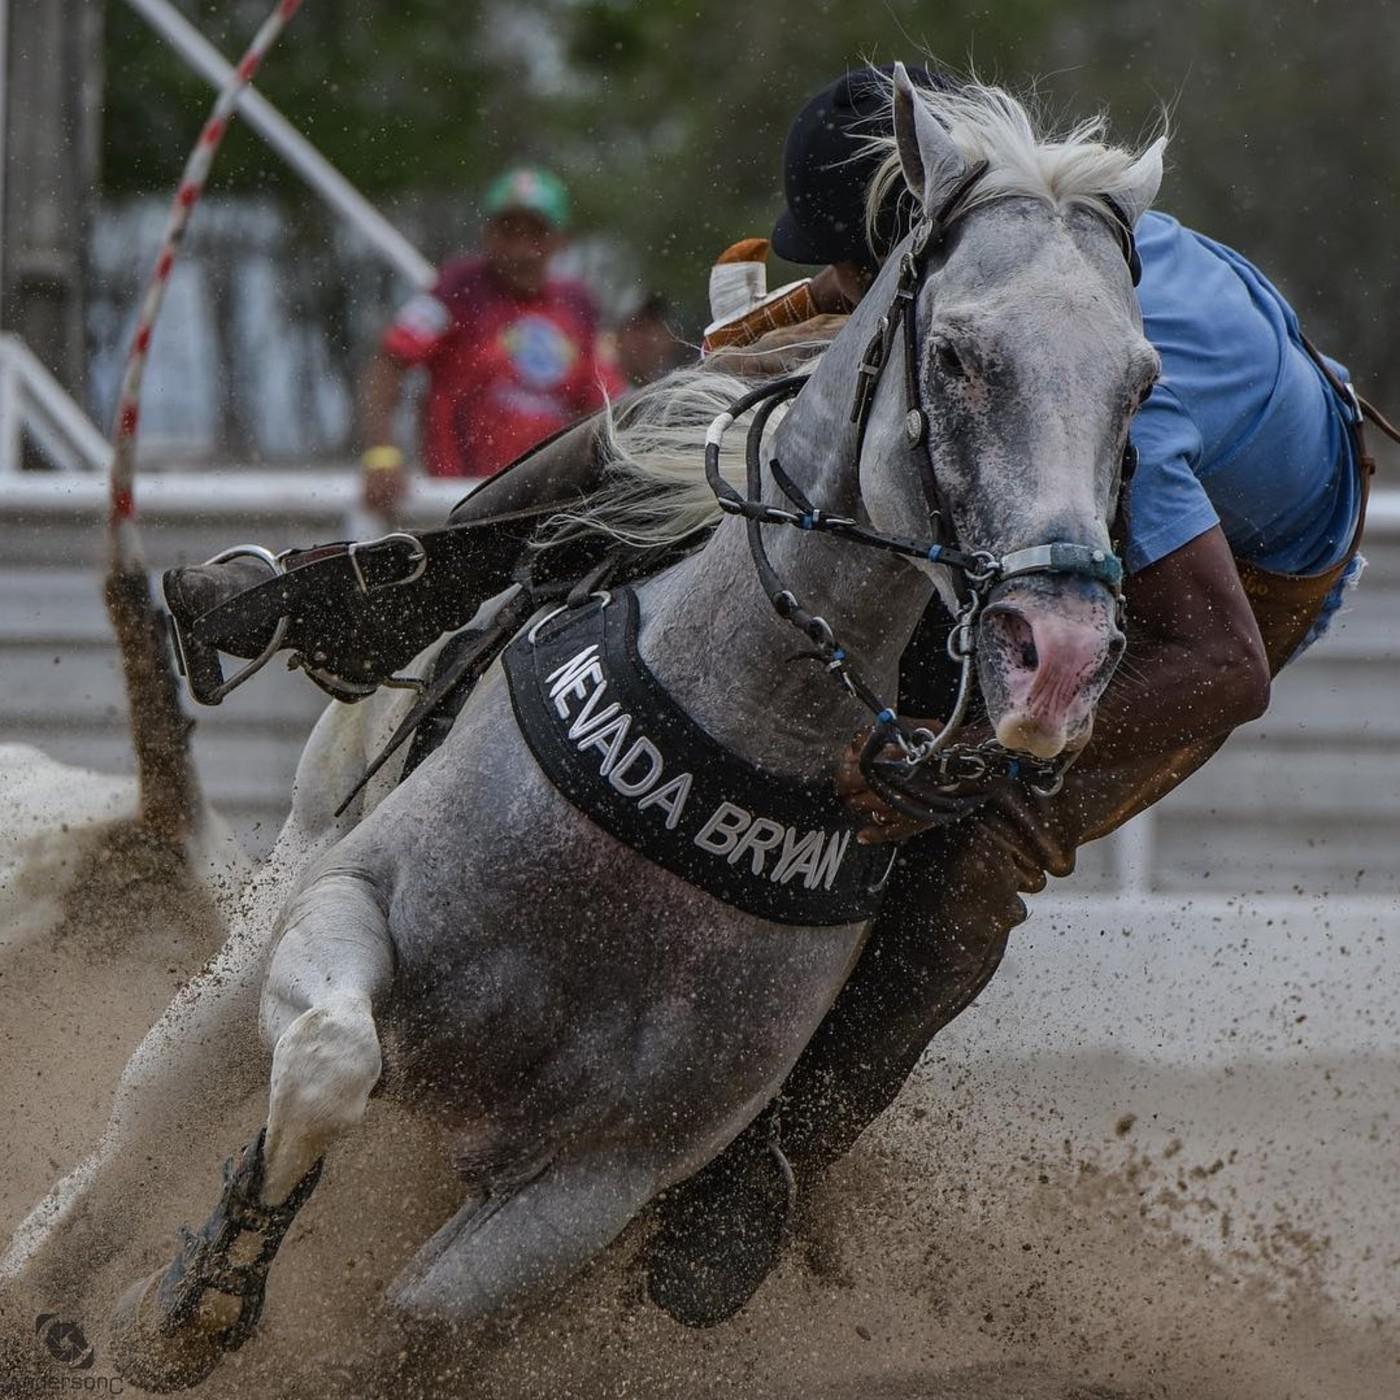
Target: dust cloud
[[1063, 1227]]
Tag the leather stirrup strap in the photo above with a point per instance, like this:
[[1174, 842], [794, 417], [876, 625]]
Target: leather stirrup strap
[[371, 569], [477, 656]]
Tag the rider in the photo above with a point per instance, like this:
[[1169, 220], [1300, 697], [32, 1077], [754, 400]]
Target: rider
[[1244, 515]]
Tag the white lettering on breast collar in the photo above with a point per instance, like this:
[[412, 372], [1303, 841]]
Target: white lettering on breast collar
[[733, 831], [636, 772], [671, 797]]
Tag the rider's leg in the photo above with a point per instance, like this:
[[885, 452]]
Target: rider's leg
[[333, 960], [955, 897], [564, 468], [394, 624]]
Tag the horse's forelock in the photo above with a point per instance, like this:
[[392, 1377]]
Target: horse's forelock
[[988, 123]]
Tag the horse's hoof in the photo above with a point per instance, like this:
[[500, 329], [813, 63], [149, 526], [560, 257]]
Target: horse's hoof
[[169, 1331], [146, 1355]]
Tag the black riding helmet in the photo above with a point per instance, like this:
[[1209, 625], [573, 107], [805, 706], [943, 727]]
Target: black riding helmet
[[826, 173]]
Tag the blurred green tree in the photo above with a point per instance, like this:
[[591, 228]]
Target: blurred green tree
[[667, 116]]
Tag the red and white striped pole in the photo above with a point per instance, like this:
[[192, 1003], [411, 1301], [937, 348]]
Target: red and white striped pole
[[126, 550], [170, 807]]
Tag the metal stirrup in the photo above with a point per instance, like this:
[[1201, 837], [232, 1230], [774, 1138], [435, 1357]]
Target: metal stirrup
[[212, 695]]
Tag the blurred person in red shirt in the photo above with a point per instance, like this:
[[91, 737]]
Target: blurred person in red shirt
[[511, 353]]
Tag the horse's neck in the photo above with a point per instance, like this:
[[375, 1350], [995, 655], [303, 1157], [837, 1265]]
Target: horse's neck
[[712, 637]]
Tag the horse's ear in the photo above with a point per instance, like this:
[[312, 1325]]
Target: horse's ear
[[932, 164], [1142, 181]]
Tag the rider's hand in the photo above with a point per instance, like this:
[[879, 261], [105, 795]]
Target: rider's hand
[[383, 481], [884, 823], [779, 351]]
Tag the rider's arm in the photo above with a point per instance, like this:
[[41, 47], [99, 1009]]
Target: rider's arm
[[834, 290], [1195, 665], [380, 386], [778, 351], [1195, 669]]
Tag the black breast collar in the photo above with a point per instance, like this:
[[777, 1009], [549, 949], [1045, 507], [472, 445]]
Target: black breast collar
[[615, 743]]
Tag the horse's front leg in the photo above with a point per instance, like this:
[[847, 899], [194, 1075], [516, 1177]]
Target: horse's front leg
[[334, 959], [503, 1248]]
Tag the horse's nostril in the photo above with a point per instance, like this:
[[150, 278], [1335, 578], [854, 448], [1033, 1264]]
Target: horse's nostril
[[1017, 634], [1117, 644]]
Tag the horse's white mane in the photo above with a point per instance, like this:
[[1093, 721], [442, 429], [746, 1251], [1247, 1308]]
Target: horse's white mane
[[989, 124], [655, 493]]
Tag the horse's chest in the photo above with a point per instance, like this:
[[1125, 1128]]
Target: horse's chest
[[614, 742], [539, 958]]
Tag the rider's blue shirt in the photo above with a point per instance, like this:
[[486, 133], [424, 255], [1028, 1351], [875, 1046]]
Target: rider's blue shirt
[[1242, 430]]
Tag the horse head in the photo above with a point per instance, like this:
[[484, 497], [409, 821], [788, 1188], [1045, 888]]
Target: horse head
[[1029, 363]]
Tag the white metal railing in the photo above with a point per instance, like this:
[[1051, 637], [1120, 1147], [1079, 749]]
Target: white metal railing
[[4, 112], [303, 502], [288, 142], [228, 493], [226, 497], [32, 401]]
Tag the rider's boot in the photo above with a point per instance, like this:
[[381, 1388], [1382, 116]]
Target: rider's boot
[[700, 1263], [196, 589], [170, 1330], [356, 635]]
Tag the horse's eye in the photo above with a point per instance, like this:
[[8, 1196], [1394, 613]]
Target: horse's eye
[[948, 361]]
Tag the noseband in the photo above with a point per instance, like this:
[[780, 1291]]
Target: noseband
[[977, 572]]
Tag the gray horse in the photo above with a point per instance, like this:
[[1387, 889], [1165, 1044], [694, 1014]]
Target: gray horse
[[592, 1026]]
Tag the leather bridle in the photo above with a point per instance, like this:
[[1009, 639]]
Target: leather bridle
[[977, 572]]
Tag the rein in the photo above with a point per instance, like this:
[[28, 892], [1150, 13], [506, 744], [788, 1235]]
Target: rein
[[978, 572]]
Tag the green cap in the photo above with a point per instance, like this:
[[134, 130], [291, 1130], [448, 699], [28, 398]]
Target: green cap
[[529, 187]]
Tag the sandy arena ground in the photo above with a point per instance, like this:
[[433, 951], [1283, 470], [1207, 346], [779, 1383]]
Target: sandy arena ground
[[1158, 1161]]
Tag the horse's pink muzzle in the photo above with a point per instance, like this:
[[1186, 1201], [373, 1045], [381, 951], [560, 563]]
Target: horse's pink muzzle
[[1046, 652]]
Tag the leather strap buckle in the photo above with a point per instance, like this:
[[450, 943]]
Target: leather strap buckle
[[417, 560]]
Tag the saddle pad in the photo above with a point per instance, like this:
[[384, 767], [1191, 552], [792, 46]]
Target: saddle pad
[[615, 743]]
